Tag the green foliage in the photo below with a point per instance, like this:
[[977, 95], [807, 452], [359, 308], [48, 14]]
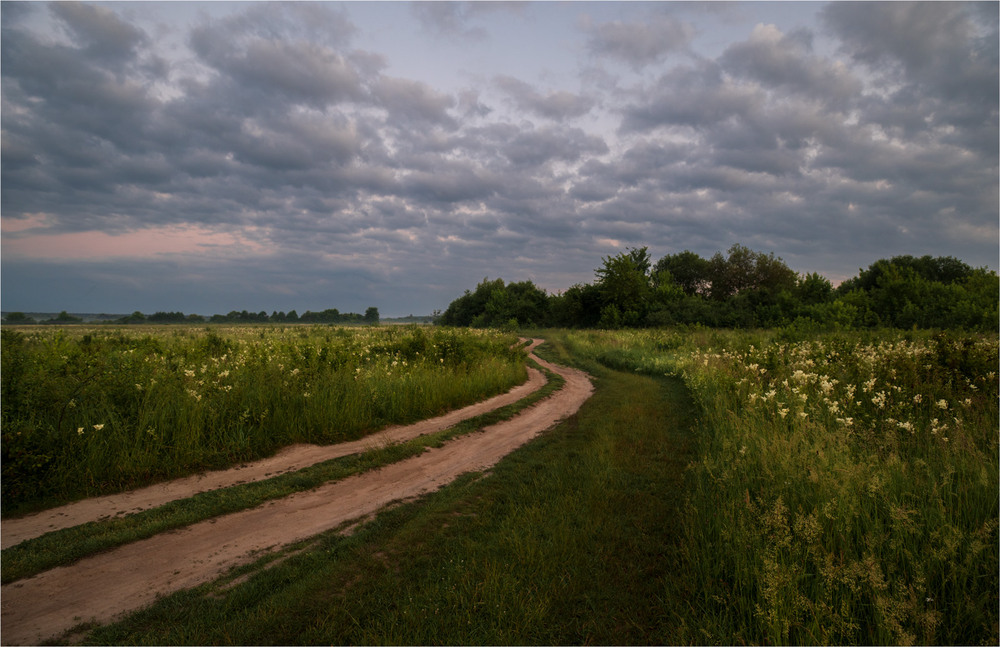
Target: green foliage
[[94, 410], [745, 270], [625, 288], [571, 539], [18, 318], [845, 489], [494, 304], [688, 270], [64, 318], [746, 289]]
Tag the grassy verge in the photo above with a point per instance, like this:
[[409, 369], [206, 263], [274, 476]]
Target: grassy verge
[[88, 411], [66, 546], [571, 539]]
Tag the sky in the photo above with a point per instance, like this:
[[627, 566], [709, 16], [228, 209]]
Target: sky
[[205, 157]]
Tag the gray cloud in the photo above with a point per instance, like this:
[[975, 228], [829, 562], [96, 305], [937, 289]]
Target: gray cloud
[[785, 62], [557, 105], [391, 191], [414, 101], [456, 19], [638, 43]]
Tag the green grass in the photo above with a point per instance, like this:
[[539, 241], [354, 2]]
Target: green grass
[[88, 411], [846, 487], [573, 538], [63, 547], [718, 487]]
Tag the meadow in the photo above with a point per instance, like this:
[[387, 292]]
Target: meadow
[[846, 485], [719, 487], [92, 410]]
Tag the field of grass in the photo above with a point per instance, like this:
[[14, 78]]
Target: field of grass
[[87, 411], [571, 539], [846, 486], [718, 487]]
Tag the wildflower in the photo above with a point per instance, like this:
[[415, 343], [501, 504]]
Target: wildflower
[[879, 400], [917, 398], [224, 374], [942, 404], [138, 387], [98, 427], [782, 412], [189, 372], [79, 431], [72, 403], [906, 426], [307, 394], [834, 406]]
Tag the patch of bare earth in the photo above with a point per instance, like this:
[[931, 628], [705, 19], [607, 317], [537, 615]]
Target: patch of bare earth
[[107, 585]]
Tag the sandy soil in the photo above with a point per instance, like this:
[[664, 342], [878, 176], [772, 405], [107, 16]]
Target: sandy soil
[[107, 585]]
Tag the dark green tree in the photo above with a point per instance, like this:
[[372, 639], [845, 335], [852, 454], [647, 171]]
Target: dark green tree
[[625, 288], [688, 270], [18, 318]]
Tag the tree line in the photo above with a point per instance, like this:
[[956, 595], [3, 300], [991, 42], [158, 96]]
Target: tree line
[[328, 316], [742, 289]]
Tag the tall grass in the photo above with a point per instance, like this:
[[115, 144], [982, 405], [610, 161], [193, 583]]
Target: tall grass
[[846, 486], [87, 411], [567, 540]]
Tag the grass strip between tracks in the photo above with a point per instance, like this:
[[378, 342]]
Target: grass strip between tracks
[[573, 538], [66, 546]]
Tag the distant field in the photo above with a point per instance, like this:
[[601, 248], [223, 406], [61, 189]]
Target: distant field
[[88, 410]]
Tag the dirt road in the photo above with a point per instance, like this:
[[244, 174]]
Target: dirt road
[[125, 579], [289, 459]]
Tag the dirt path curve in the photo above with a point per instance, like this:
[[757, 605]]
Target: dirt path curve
[[289, 459], [122, 580]]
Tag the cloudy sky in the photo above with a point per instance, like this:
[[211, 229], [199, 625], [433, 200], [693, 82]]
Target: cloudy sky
[[212, 156]]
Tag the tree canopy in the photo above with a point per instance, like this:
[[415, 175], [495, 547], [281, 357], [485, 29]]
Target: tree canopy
[[742, 289]]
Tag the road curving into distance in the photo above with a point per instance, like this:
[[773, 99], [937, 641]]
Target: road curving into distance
[[104, 586]]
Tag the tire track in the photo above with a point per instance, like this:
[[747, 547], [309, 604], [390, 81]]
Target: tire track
[[103, 587], [288, 459]]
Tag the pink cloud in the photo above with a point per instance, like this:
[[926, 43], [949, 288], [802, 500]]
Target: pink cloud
[[142, 243]]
